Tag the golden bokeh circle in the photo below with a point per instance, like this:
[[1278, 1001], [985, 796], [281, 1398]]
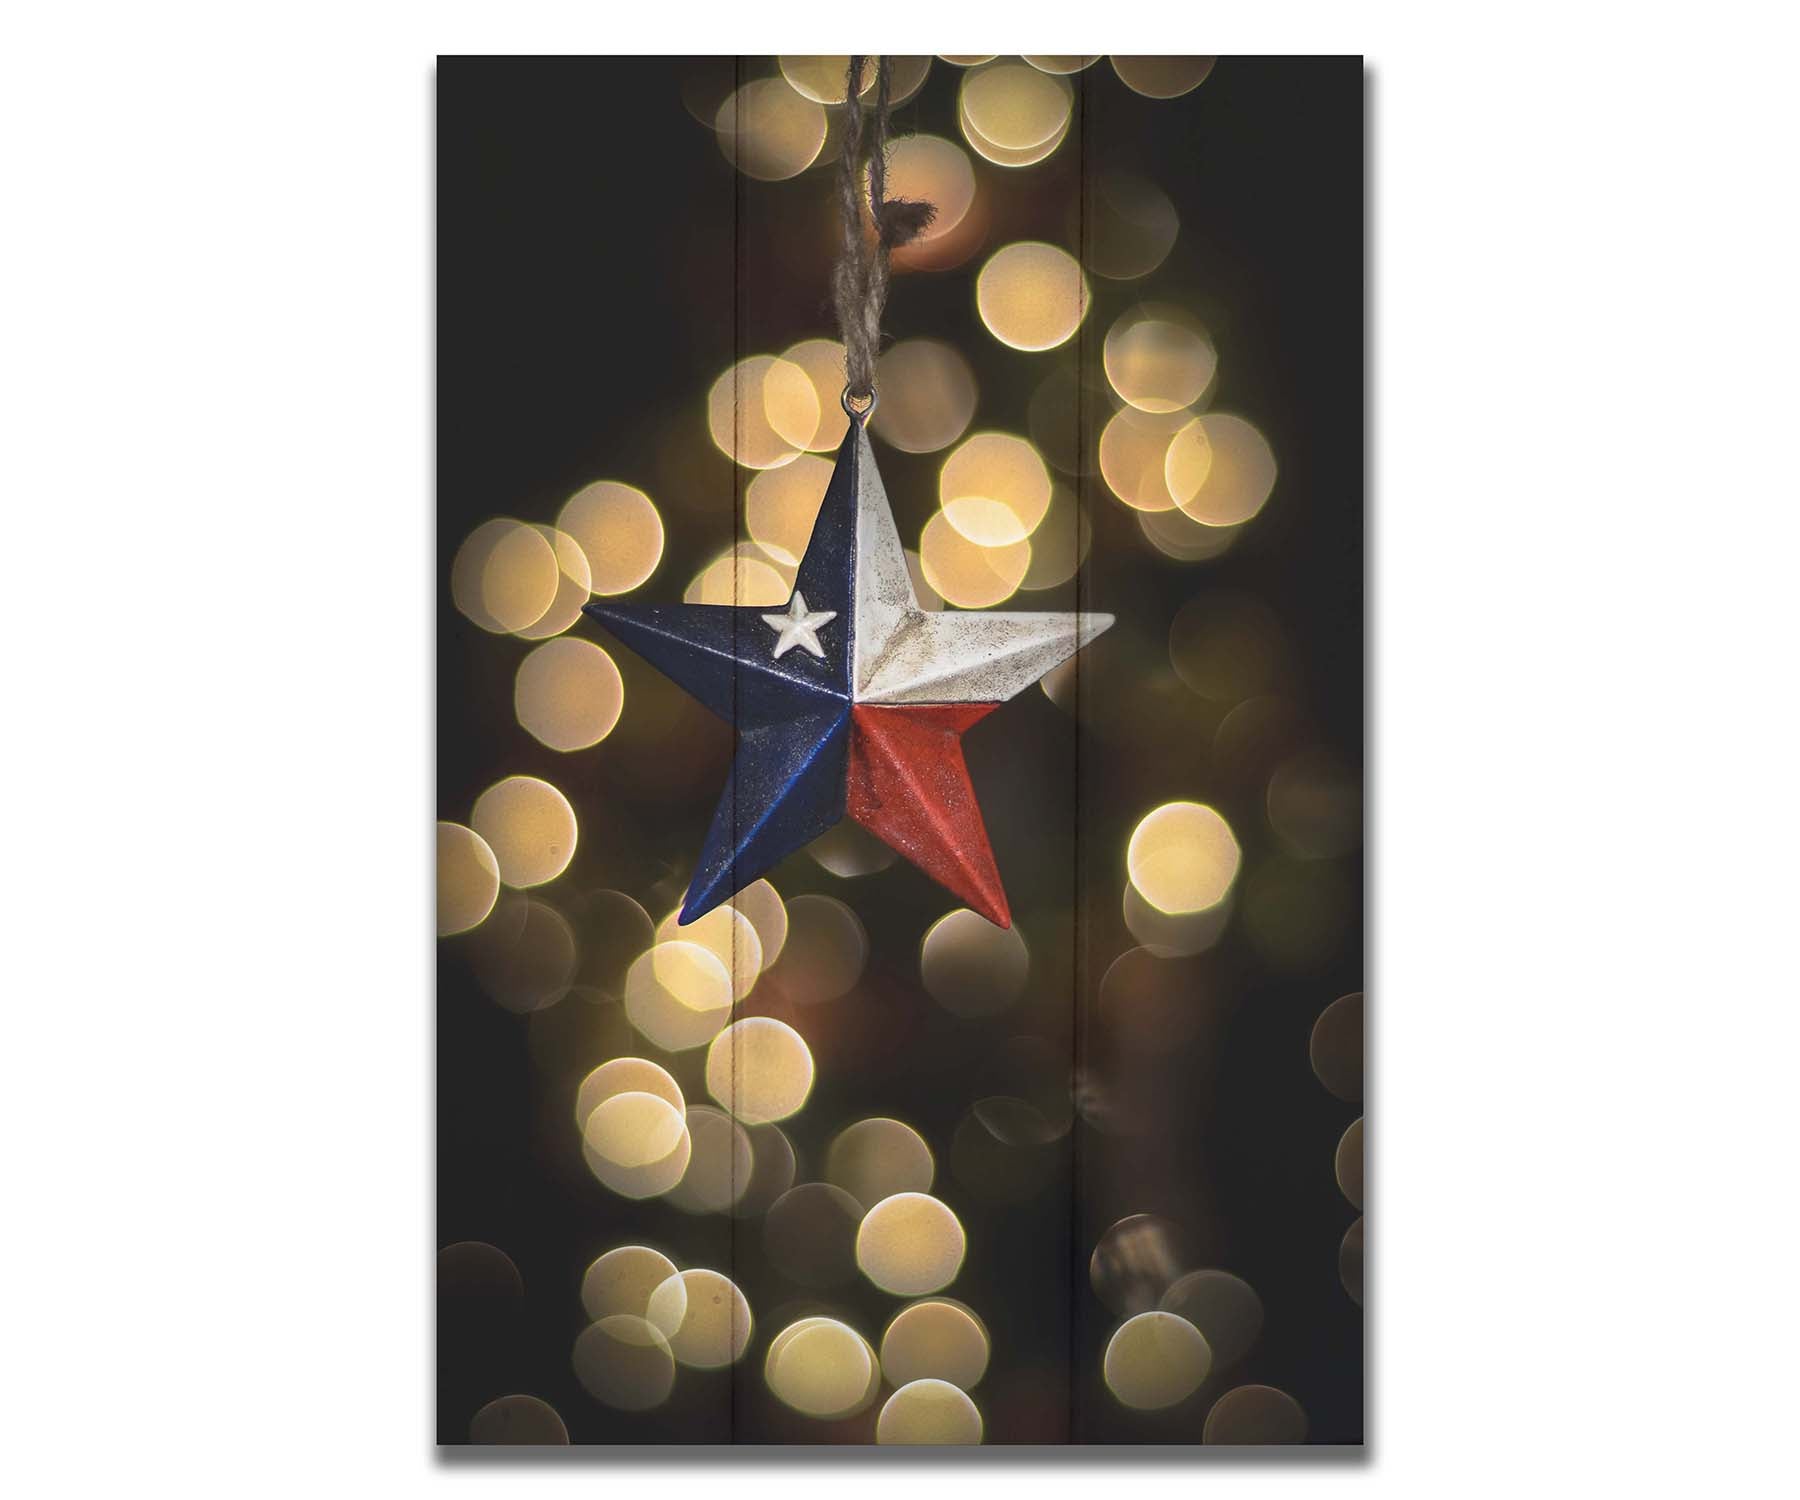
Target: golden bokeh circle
[[910, 1244], [505, 575], [1155, 1360], [1162, 77], [530, 827], [994, 489], [1225, 1308], [1135, 1261], [745, 576], [705, 1318], [1006, 156], [1219, 469], [1031, 295], [621, 1281], [1158, 365], [878, 1157], [821, 1368], [1070, 64], [825, 80], [927, 396], [574, 586], [1349, 1163], [930, 169], [780, 506], [1013, 106], [1134, 448], [1336, 1047], [931, 1412], [1183, 857], [1350, 1262], [822, 360], [761, 905], [850, 851], [467, 567], [719, 1171], [760, 1069], [468, 879], [619, 532], [769, 130], [1178, 936], [636, 1144], [1178, 535], [970, 966], [935, 1340], [825, 951], [1129, 228], [568, 695], [625, 1362], [626, 1075], [966, 575], [520, 1421], [726, 933], [967, 60], [678, 995], [763, 411], [1060, 544], [1254, 1415]]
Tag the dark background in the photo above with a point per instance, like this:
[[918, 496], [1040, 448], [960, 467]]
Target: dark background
[[599, 264]]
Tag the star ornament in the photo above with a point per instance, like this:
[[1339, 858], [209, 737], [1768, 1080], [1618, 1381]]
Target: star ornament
[[865, 719]]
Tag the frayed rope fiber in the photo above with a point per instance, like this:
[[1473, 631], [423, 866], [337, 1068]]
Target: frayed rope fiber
[[859, 281]]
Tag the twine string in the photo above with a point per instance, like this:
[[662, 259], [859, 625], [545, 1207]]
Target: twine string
[[859, 281]]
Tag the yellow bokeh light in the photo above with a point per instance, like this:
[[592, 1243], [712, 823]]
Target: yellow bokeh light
[[622, 1280], [927, 396], [1070, 64], [1133, 447], [770, 131], [678, 995], [1013, 106], [1157, 364], [729, 935], [1178, 535], [619, 532], [763, 411], [568, 694], [910, 1244], [1031, 295], [1348, 1163], [994, 489], [930, 169], [468, 879], [762, 906], [505, 575], [966, 575], [824, 80], [1155, 1360], [760, 1069], [850, 851], [1183, 857], [1225, 1308], [936, 1340], [518, 1421], [705, 1318], [1254, 1415], [741, 577], [821, 1368], [1060, 543], [825, 951], [573, 587], [931, 1412], [876, 1158], [626, 1075], [1130, 227], [970, 966], [971, 60], [822, 362], [1173, 936], [718, 1172], [636, 1144], [1007, 156], [1219, 469], [1162, 77], [530, 827], [781, 505], [625, 1362]]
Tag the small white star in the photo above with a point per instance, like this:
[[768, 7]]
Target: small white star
[[799, 626]]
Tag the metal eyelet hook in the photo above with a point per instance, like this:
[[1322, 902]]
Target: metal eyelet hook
[[859, 414]]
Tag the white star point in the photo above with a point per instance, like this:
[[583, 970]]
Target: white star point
[[799, 626]]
